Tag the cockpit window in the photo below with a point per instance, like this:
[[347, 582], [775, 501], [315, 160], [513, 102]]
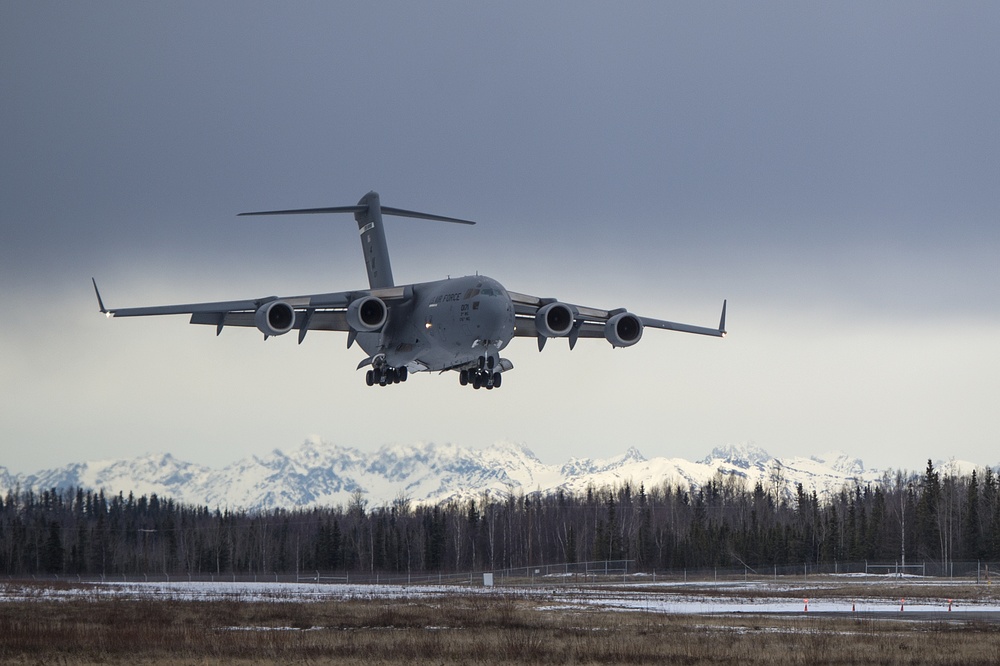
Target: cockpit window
[[480, 291]]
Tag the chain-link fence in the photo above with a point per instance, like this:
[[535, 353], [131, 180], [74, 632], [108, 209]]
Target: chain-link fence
[[573, 574]]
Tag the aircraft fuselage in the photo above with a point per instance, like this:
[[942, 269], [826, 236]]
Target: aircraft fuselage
[[446, 324]]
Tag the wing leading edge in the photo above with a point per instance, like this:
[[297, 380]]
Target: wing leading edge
[[591, 322], [322, 312]]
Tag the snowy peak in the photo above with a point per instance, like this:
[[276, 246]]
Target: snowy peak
[[319, 473], [841, 462], [582, 466], [744, 455]]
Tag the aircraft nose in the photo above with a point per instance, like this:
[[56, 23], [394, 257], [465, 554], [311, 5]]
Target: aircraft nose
[[495, 318]]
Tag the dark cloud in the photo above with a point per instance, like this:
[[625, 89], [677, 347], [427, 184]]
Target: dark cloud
[[835, 163]]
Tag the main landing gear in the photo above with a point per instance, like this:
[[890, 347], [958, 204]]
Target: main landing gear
[[482, 377], [384, 376]]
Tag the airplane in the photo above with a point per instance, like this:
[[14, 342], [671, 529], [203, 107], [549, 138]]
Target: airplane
[[456, 324]]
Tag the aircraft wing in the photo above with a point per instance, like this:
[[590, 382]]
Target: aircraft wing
[[591, 322], [321, 312]]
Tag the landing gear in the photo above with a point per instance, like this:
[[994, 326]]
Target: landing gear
[[480, 379], [383, 376], [486, 371]]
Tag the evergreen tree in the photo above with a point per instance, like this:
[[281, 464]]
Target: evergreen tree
[[972, 531], [52, 554], [929, 541]]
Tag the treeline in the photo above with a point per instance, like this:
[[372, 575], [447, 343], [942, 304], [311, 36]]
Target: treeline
[[934, 517]]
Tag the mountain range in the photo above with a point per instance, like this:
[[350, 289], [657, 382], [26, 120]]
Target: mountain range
[[321, 474]]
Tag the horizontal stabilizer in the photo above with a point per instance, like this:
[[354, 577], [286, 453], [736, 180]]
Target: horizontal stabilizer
[[386, 210], [308, 211], [399, 212]]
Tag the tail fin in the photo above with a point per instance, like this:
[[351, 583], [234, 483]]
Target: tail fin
[[368, 214], [373, 244]]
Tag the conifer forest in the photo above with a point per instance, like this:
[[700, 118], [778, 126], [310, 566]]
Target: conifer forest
[[932, 517]]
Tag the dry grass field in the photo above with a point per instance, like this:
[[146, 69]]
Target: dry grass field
[[456, 627]]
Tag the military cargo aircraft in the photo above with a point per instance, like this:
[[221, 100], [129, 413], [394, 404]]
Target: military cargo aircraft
[[460, 324]]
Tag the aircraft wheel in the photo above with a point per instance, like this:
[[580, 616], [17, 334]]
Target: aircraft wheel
[[402, 373], [463, 377], [370, 378], [490, 362], [497, 379], [477, 381]]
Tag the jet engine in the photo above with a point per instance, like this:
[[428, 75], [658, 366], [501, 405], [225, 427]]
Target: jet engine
[[275, 318], [367, 314], [554, 320], [623, 330]]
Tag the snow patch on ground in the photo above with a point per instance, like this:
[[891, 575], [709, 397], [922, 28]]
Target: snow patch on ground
[[672, 597]]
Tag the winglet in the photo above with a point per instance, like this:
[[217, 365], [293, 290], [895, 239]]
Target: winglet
[[100, 302], [722, 322]]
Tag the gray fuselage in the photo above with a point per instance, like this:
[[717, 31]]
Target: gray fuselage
[[447, 324]]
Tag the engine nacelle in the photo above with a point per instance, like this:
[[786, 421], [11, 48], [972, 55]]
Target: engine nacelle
[[275, 318], [367, 314], [623, 330], [555, 320]]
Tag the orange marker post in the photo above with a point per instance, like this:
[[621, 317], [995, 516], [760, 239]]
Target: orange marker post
[[806, 609], [901, 602]]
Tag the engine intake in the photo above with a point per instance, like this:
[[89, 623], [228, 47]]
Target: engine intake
[[367, 314], [275, 318], [555, 320], [623, 330]]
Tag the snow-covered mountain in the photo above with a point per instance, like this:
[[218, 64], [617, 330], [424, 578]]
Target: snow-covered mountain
[[319, 473]]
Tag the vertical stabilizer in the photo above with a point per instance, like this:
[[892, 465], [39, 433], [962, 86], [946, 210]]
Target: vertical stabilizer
[[373, 242]]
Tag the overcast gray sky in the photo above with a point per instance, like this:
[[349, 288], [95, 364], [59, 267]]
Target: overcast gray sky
[[833, 169]]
